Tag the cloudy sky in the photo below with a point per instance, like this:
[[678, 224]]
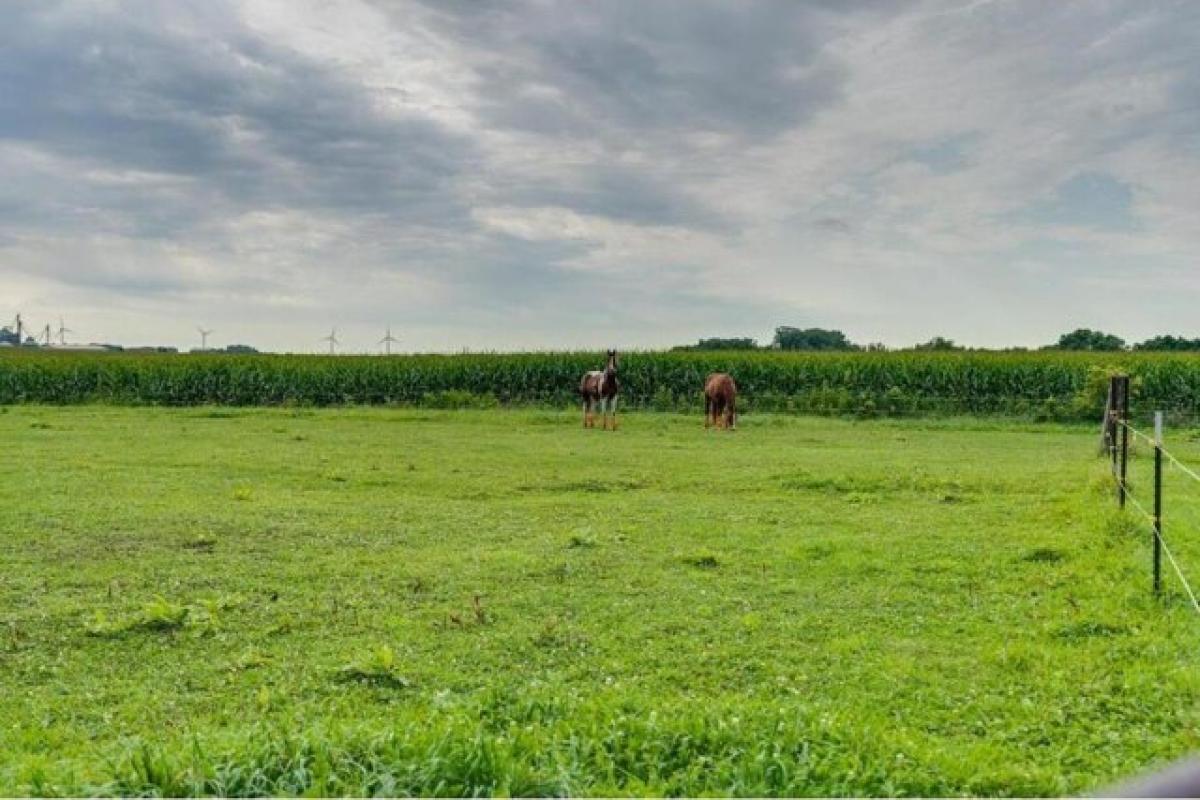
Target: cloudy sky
[[557, 174]]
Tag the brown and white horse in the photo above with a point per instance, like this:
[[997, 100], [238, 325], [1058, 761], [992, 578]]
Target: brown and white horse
[[600, 387], [720, 401]]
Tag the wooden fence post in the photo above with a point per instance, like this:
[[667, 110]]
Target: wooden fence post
[[1106, 422], [1110, 422], [1124, 412], [1158, 455]]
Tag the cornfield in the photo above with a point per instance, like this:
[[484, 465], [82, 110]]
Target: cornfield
[[1042, 385]]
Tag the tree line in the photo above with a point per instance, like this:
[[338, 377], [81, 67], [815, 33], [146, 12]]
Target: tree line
[[821, 339]]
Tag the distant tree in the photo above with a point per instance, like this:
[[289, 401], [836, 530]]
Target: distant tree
[[243, 349], [9, 336], [1168, 343], [1085, 339], [939, 343], [877, 347], [787, 338]]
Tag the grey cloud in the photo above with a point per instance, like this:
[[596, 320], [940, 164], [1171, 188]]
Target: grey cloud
[[255, 124], [644, 196], [741, 68], [636, 78], [832, 225]]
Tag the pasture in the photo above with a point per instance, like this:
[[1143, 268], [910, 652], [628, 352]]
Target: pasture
[[355, 601]]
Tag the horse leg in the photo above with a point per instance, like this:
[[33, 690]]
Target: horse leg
[[587, 412], [732, 412], [614, 412]]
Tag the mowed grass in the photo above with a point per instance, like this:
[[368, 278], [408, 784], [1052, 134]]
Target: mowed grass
[[390, 601]]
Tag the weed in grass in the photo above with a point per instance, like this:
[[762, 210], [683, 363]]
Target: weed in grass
[[1088, 630], [555, 634], [100, 625], [157, 615], [582, 540], [262, 699], [816, 552], [703, 560], [1124, 527], [378, 669], [201, 544], [1044, 555], [475, 617], [560, 572], [161, 615], [1101, 484], [251, 659]]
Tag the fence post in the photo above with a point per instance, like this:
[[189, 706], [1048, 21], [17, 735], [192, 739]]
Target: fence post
[[1158, 453], [1105, 422], [1124, 418], [1110, 425]]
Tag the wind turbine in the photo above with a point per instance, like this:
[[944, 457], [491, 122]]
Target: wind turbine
[[63, 330], [333, 341], [386, 341], [204, 334], [46, 334]]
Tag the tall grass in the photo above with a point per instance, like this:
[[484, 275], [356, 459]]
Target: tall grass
[[1047, 385], [534, 751]]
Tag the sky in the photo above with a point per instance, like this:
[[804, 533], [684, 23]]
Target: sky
[[549, 175]]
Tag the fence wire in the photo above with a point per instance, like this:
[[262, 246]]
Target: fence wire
[[1167, 454], [1154, 521]]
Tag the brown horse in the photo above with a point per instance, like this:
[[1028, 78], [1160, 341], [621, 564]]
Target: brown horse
[[720, 401], [600, 387]]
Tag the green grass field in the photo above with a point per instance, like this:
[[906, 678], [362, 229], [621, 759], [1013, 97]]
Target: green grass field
[[394, 601]]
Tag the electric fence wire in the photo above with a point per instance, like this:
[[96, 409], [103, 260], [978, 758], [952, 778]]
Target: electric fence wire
[[1157, 535], [1167, 454]]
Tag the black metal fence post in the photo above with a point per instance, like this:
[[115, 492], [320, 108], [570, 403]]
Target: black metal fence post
[[1158, 455]]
